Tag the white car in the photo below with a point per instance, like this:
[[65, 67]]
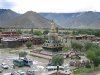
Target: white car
[[30, 72], [20, 72], [4, 65]]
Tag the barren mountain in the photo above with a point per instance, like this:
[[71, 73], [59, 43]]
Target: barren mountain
[[28, 20], [95, 23], [86, 19], [7, 14], [59, 18]]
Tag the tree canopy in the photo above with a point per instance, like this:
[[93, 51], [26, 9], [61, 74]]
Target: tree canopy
[[94, 55], [76, 45], [57, 60], [44, 39], [28, 44], [19, 31], [37, 33], [46, 32], [22, 54], [90, 44]]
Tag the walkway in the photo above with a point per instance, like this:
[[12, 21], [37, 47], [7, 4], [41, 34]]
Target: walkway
[[44, 54]]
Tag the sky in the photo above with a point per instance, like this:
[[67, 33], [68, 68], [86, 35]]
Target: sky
[[54, 6]]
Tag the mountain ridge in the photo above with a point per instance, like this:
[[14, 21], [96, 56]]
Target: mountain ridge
[[77, 20], [29, 19], [7, 14], [86, 19]]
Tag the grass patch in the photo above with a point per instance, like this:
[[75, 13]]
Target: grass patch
[[65, 48], [80, 70], [83, 69], [1, 46], [17, 47], [86, 71]]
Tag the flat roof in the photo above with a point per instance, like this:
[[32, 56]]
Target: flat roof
[[9, 39]]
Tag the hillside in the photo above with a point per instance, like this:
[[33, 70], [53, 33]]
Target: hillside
[[86, 19], [7, 14], [28, 20], [59, 18]]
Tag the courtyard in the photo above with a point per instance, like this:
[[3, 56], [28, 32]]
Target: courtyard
[[39, 64]]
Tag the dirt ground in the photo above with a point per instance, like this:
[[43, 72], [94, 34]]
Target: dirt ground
[[39, 64]]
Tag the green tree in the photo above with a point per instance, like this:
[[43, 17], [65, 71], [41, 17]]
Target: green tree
[[46, 32], [75, 32], [56, 29], [19, 31], [94, 55], [31, 30], [44, 39], [66, 32], [97, 32], [90, 44], [76, 45], [22, 54], [28, 44], [0, 30], [57, 60], [37, 33]]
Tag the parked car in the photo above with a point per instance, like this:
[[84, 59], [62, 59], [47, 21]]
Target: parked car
[[75, 57], [20, 72], [30, 72], [72, 63], [1, 69], [49, 64], [4, 65], [13, 73]]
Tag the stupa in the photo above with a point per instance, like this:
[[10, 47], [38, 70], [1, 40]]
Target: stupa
[[52, 44]]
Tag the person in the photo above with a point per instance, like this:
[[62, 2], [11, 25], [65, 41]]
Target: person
[[57, 67], [13, 66]]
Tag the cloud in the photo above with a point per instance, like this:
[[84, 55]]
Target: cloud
[[6, 4], [23, 6]]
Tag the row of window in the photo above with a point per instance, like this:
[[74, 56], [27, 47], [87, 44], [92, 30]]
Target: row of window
[[52, 45], [52, 41]]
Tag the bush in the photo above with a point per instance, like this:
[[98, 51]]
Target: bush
[[19, 31], [57, 60], [88, 66], [22, 54], [28, 44], [38, 33]]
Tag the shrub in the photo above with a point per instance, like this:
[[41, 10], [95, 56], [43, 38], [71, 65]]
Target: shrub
[[22, 54], [28, 44], [88, 66]]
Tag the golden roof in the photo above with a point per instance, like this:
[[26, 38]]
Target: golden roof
[[52, 25]]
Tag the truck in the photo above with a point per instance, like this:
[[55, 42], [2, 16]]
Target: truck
[[27, 62], [18, 62], [22, 61]]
